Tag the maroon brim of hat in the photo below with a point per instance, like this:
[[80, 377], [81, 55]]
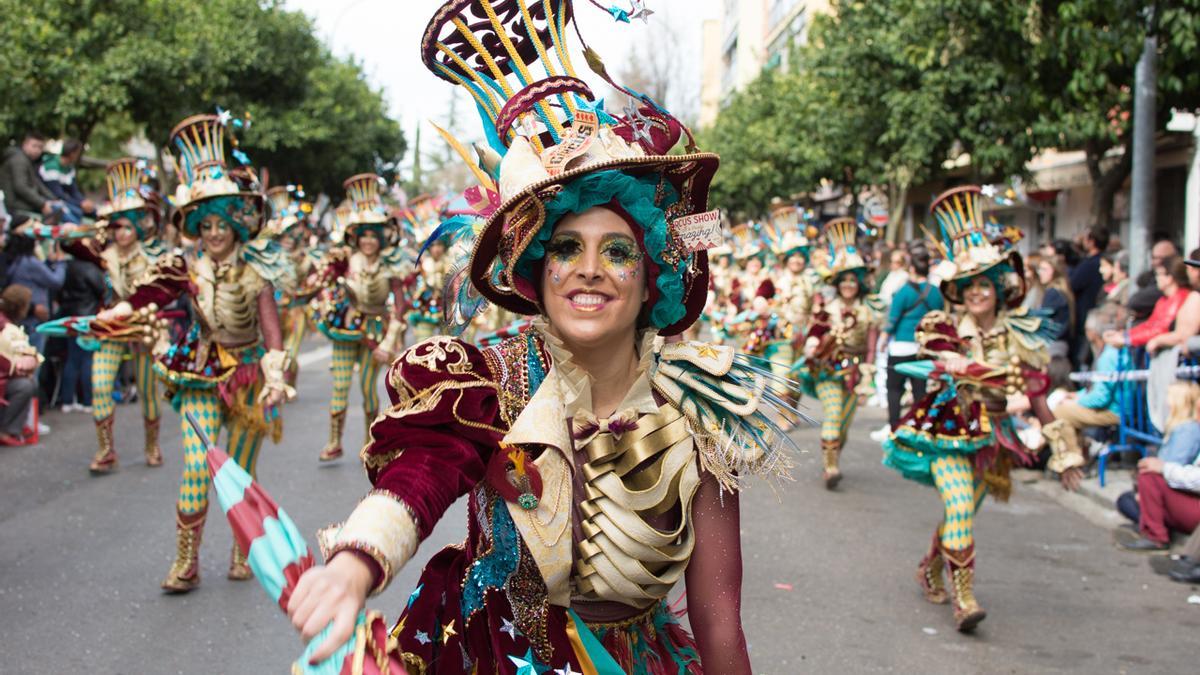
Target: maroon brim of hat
[[1013, 295], [690, 175]]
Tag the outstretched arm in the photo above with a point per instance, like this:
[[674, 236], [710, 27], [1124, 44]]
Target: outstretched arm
[[714, 580]]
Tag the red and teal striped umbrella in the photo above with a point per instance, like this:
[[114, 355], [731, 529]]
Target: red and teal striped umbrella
[[278, 555]]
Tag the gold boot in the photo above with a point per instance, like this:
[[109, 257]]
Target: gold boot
[[153, 452], [930, 573], [333, 449], [238, 569], [830, 450], [967, 612], [105, 459], [184, 574]]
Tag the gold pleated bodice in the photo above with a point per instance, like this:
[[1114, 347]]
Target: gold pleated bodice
[[368, 284], [226, 299]]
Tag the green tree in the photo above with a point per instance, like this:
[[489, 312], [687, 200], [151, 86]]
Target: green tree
[[77, 64], [1082, 76]]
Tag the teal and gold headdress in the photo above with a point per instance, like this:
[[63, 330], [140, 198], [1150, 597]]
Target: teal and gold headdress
[[966, 239]]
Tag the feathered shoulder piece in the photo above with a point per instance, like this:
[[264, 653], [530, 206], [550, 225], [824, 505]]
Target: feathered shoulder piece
[[398, 261], [937, 333], [876, 306], [730, 402], [1031, 330], [154, 248], [270, 261]]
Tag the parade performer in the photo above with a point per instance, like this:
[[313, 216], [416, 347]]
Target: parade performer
[[600, 464], [795, 281], [353, 313], [838, 362], [126, 248], [228, 369], [751, 279], [960, 438], [434, 264], [288, 225]]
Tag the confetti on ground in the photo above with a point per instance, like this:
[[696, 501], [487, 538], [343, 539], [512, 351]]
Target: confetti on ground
[[929, 631], [1194, 599], [784, 587]]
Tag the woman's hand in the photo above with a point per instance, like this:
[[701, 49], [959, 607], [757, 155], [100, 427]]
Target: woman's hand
[[335, 592], [119, 311], [25, 365], [382, 356], [1150, 465], [957, 365], [1154, 344]]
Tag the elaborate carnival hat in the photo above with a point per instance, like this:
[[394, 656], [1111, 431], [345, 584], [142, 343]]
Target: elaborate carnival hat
[[129, 195], [844, 256], [747, 241], [560, 152], [207, 185], [286, 208], [367, 211], [341, 221], [789, 230], [967, 242]]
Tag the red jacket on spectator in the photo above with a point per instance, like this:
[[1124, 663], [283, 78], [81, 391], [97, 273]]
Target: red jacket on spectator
[[1160, 319]]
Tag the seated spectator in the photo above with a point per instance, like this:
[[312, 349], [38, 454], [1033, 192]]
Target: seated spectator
[[1171, 280], [1096, 407], [1169, 497], [1146, 296], [41, 278], [58, 174], [18, 360], [23, 188], [1186, 570], [1182, 442]]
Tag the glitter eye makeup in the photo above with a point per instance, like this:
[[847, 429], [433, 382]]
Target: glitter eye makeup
[[565, 249]]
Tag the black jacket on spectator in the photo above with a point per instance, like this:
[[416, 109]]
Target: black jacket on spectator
[[1086, 284], [23, 188], [83, 291]]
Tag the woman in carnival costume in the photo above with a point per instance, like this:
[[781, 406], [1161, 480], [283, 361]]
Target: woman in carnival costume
[[960, 438], [795, 281], [838, 363], [600, 464], [354, 314], [288, 225], [127, 248], [227, 371]]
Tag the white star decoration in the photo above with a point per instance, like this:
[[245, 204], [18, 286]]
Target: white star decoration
[[510, 628], [423, 637], [640, 11], [566, 670], [637, 122], [988, 191]]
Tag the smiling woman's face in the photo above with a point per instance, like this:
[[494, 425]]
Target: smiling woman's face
[[593, 280]]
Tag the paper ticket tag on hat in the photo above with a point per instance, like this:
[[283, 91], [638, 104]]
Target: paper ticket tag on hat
[[698, 232], [579, 138]]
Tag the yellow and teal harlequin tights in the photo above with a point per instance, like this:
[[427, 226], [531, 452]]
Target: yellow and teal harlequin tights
[[347, 355], [838, 405], [962, 493], [212, 414], [105, 364]]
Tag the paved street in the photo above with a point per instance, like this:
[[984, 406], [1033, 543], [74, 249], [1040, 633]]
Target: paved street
[[828, 587]]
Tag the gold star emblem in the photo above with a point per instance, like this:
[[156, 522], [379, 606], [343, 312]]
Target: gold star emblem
[[705, 350], [447, 631]]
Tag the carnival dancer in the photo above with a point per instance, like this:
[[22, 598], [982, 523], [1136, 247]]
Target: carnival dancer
[[960, 438], [795, 281], [434, 264], [288, 225], [126, 248], [228, 369], [593, 456], [839, 344], [354, 314]]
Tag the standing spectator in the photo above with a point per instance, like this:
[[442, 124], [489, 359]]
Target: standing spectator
[[1033, 286], [58, 174], [23, 189], [1114, 268], [41, 278], [1087, 285], [1143, 300], [910, 304], [18, 360], [1193, 269], [82, 293], [897, 276], [1060, 302]]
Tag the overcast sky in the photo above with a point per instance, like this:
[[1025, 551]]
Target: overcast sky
[[384, 36]]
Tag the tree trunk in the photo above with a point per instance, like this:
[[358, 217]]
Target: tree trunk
[[897, 194], [1106, 183]]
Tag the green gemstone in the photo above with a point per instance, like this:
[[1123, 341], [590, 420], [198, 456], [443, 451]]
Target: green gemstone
[[528, 501]]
